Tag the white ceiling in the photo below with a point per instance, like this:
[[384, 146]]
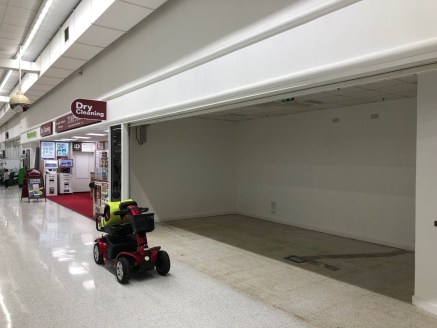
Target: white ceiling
[[384, 90], [16, 19], [93, 25]]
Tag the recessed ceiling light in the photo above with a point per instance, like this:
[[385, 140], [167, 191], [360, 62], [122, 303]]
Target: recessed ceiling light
[[96, 134], [75, 137]]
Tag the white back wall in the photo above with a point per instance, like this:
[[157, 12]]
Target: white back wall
[[425, 294], [84, 163], [353, 178], [185, 169]]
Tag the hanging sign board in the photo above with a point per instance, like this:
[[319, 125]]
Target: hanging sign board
[[46, 129], [89, 109], [70, 122]]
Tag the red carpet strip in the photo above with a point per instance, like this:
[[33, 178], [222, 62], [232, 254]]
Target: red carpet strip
[[80, 202]]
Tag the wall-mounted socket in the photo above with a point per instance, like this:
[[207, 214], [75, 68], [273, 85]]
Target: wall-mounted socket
[[336, 120], [273, 207], [374, 116]]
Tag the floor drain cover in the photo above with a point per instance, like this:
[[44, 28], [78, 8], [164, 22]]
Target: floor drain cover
[[296, 259]]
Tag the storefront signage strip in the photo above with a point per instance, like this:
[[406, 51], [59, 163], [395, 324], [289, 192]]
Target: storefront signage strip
[[70, 122], [46, 129]]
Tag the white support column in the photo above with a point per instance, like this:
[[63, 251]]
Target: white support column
[[425, 292], [125, 188]]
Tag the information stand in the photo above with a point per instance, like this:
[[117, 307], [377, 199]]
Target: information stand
[[33, 185]]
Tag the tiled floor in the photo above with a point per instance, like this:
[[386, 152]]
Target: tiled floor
[[226, 272]]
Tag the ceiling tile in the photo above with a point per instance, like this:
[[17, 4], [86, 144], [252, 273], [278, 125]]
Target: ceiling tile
[[345, 91], [68, 63], [332, 99], [26, 4], [12, 20], [99, 36], [368, 94], [409, 78], [57, 72], [111, 17], [11, 28], [49, 80], [42, 87], [20, 13], [82, 51], [381, 84], [409, 94], [399, 89], [153, 4]]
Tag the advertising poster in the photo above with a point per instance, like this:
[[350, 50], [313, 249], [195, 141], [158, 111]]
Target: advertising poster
[[62, 149], [47, 150], [36, 188]]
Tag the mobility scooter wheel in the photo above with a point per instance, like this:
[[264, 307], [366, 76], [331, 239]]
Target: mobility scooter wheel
[[163, 263], [122, 270], [98, 257]]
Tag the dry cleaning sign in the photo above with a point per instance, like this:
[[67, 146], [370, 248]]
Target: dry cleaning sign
[[89, 109]]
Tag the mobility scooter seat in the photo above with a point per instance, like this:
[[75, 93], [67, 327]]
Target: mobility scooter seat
[[117, 244], [119, 229]]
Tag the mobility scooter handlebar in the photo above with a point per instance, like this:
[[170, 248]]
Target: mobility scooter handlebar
[[127, 210]]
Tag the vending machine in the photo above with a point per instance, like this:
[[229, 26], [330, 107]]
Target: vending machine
[[65, 178], [51, 177], [64, 183]]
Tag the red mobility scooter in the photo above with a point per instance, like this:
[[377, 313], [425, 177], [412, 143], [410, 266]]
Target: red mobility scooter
[[124, 244]]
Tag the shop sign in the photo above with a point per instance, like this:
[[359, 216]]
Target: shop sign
[[46, 129], [89, 109], [31, 134], [70, 122], [77, 146], [88, 147]]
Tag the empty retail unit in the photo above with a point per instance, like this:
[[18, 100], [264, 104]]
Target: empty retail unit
[[288, 141]]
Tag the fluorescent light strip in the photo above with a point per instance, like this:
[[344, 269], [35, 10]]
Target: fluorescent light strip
[[37, 25], [81, 137], [30, 37], [96, 134], [8, 75]]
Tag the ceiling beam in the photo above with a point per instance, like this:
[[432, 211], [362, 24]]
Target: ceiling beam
[[26, 66]]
